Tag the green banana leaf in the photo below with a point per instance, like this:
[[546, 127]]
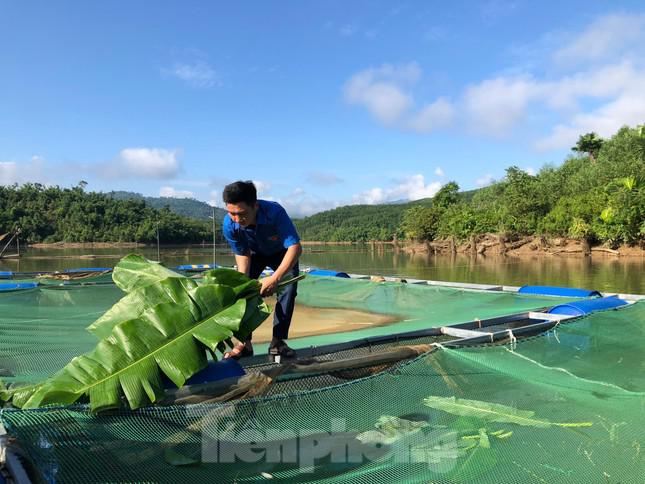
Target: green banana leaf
[[164, 326], [147, 283], [492, 412], [135, 271], [133, 304]]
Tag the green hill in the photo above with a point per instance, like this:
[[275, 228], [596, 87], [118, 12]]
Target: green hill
[[54, 214], [598, 195], [186, 207], [356, 223]]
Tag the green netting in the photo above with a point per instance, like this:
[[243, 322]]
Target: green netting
[[42, 329], [586, 371], [418, 306]]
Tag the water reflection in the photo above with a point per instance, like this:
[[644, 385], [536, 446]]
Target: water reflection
[[603, 273]]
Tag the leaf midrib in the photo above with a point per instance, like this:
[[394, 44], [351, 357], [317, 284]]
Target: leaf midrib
[[192, 328]]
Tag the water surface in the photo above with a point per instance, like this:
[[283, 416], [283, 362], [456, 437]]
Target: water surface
[[603, 273]]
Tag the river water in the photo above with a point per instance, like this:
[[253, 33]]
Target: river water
[[602, 273]]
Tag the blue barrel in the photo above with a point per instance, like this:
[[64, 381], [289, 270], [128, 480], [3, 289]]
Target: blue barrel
[[88, 269], [558, 291], [325, 272], [580, 308], [17, 286], [216, 370], [196, 267], [6, 274]]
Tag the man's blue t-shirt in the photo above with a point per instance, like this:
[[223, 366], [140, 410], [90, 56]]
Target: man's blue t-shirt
[[273, 231]]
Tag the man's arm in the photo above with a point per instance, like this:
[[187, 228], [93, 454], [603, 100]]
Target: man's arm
[[270, 283], [243, 263]]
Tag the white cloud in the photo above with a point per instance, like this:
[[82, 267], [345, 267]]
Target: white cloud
[[495, 105], [487, 179], [307, 206], [215, 198], [298, 192], [33, 171], [602, 82], [628, 109], [379, 90], [438, 171], [439, 114], [173, 193], [154, 163], [196, 74], [323, 178], [262, 187], [412, 188], [8, 173], [603, 96], [299, 203], [606, 37], [530, 170]]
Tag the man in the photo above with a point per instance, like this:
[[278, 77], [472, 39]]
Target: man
[[261, 234]]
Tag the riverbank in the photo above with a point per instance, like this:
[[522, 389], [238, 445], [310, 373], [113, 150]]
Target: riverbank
[[87, 245], [493, 244]]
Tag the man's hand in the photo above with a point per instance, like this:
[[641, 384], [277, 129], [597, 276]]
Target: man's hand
[[269, 285]]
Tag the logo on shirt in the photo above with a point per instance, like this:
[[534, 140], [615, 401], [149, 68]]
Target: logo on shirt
[[274, 238]]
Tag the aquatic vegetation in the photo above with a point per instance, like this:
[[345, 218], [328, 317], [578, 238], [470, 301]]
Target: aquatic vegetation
[[493, 412], [389, 429]]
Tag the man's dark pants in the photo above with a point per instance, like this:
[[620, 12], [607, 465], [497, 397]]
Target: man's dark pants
[[287, 298]]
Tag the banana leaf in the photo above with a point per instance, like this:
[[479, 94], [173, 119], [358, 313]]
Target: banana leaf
[[135, 271], [492, 412], [133, 304], [147, 283], [164, 326]]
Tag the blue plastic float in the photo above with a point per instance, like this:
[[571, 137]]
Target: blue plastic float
[[17, 286], [88, 269], [558, 291], [196, 267], [216, 370], [580, 308], [328, 273]]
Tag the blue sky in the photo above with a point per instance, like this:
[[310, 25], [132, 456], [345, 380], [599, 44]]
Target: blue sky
[[321, 103]]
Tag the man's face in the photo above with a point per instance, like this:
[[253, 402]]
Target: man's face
[[242, 213]]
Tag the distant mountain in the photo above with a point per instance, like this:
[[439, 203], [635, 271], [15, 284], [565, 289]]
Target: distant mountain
[[188, 207], [356, 222], [360, 223]]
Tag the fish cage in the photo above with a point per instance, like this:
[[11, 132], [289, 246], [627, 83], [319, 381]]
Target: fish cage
[[464, 384]]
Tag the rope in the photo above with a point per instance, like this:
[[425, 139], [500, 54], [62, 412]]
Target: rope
[[512, 338]]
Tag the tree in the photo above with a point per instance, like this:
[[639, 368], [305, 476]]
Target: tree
[[446, 196], [420, 223], [589, 143]]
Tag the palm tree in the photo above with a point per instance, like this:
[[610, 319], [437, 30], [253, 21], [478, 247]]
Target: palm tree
[[589, 143]]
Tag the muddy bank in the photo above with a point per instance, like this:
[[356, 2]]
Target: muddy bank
[[493, 244]]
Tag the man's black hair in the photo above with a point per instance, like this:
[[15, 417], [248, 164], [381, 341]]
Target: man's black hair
[[240, 191]]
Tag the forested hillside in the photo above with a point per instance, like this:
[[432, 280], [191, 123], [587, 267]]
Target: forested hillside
[[187, 207], [53, 214], [597, 195]]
